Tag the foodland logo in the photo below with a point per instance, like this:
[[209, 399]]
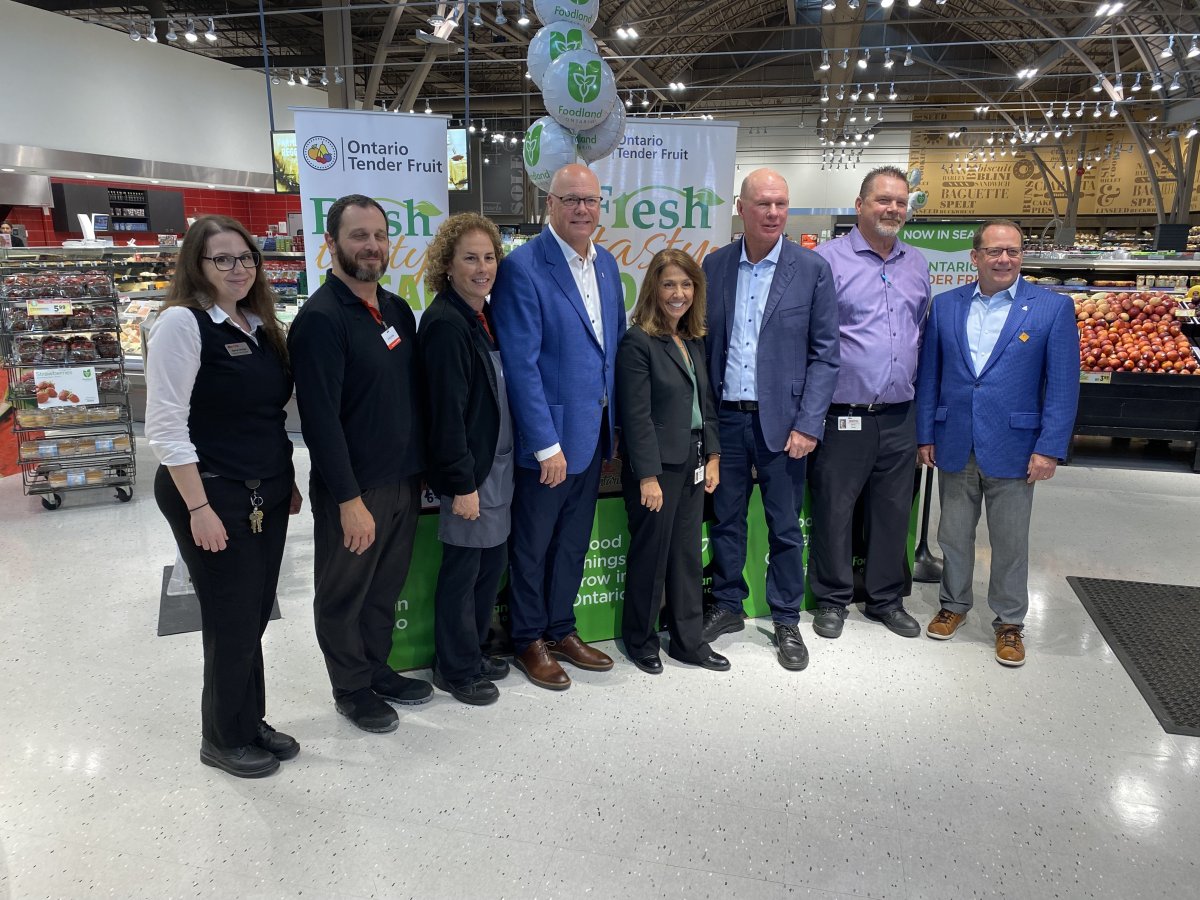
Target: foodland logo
[[583, 82], [412, 218], [688, 207], [560, 44], [320, 152], [533, 146]]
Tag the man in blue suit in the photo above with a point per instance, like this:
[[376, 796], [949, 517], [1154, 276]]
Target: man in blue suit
[[996, 396], [559, 316], [773, 359]]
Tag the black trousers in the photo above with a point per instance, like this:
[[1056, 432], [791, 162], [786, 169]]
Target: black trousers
[[880, 460], [236, 590], [464, 601], [356, 595], [665, 557]]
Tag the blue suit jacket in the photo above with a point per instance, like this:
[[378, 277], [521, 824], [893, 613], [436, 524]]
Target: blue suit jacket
[[797, 358], [1024, 400], [556, 372]]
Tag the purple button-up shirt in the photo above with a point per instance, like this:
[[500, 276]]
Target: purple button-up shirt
[[882, 305]]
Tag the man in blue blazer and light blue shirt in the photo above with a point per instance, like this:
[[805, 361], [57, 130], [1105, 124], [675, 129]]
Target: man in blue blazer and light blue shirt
[[773, 358], [997, 391], [559, 313]]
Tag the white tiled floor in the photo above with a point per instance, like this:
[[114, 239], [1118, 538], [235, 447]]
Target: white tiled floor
[[890, 768]]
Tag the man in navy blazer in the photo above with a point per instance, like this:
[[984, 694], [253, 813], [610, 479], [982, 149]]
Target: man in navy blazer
[[997, 391], [773, 358], [559, 313]]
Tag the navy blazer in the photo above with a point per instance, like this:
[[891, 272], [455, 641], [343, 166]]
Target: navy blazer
[[797, 360], [1024, 400], [557, 373]]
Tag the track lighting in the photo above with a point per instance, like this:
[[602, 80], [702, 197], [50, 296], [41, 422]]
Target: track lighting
[[483, 126], [501, 19], [829, 5], [1137, 84], [134, 34], [871, 93], [892, 95], [477, 19], [862, 60], [428, 109], [645, 99], [1193, 48], [210, 33], [337, 75], [825, 93], [151, 31], [1175, 85], [1156, 83], [851, 5], [1096, 111], [1191, 132], [1169, 50], [629, 101], [291, 78], [857, 93], [888, 62], [1112, 110], [824, 60], [190, 34], [908, 58], [1099, 85], [1079, 112], [171, 35], [304, 77], [841, 94], [522, 18], [845, 59]]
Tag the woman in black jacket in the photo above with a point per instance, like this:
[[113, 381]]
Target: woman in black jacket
[[668, 422], [470, 452]]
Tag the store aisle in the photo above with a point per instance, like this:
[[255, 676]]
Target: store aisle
[[891, 768]]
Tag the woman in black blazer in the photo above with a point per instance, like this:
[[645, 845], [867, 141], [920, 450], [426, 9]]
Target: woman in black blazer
[[668, 422], [470, 452]]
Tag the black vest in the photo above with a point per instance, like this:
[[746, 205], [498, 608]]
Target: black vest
[[237, 407]]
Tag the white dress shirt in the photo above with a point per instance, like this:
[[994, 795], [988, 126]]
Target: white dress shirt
[[170, 376]]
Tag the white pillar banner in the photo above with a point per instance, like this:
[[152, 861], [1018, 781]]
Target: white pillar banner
[[669, 184], [395, 158]]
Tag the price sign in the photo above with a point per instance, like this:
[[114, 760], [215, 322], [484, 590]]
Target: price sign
[[48, 307], [1181, 313], [1095, 377]]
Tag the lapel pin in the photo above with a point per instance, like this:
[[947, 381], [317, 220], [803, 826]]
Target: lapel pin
[[1023, 337], [1024, 309]]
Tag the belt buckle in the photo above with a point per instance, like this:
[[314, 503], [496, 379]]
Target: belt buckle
[[870, 407]]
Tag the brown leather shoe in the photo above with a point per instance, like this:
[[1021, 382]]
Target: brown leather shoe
[[540, 668], [576, 652], [942, 626], [1009, 649]]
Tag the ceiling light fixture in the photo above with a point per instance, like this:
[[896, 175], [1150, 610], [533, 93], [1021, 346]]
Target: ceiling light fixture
[[275, 79], [1137, 84], [1099, 85], [522, 18], [151, 31], [888, 62], [1175, 85], [325, 77], [885, 4], [171, 35], [914, 2], [862, 60], [291, 78], [304, 77], [1169, 50], [190, 33], [857, 93], [841, 94], [824, 93], [892, 95], [1096, 111], [645, 99], [477, 19], [210, 34], [1156, 83], [824, 61], [1193, 48], [829, 5], [428, 109], [337, 76], [629, 101], [1191, 132], [1112, 110], [134, 34], [845, 59], [501, 19], [871, 93], [908, 58]]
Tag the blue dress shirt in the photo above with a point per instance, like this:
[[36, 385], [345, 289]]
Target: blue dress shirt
[[985, 320], [753, 287]]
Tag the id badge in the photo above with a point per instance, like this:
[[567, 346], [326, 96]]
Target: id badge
[[391, 338], [698, 475], [849, 423], [239, 349]]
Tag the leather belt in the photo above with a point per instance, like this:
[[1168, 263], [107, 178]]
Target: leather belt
[[860, 409], [740, 405]]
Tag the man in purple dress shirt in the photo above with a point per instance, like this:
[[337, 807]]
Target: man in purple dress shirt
[[870, 431]]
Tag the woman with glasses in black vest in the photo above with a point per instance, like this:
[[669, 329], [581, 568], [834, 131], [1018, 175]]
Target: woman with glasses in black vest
[[217, 380]]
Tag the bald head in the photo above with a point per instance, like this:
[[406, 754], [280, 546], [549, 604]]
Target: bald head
[[571, 178], [759, 179], [573, 205], [763, 205]]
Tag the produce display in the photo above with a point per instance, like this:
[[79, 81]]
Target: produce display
[[1132, 331]]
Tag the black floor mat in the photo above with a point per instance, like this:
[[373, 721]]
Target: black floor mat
[[1154, 629], [179, 615]]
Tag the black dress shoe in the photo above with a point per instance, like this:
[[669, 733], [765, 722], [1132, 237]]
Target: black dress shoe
[[790, 647], [828, 621], [278, 744], [368, 711], [651, 665], [718, 621], [479, 691], [247, 761], [898, 622], [403, 690], [494, 668], [714, 662]]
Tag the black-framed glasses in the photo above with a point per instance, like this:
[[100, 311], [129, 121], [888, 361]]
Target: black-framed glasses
[[222, 262], [572, 201], [997, 252]]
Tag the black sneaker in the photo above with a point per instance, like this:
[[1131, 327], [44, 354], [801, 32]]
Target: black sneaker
[[368, 711], [493, 668], [278, 744], [403, 690], [718, 621], [479, 691], [898, 622], [790, 647], [828, 621], [247, 761]]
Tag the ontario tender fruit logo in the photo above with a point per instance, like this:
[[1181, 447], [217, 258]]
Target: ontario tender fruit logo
[[320, 152]]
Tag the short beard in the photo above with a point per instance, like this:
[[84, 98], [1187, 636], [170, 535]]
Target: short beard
[[356, 271]]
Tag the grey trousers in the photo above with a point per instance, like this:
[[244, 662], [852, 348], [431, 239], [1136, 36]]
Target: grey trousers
[[1009, 503]]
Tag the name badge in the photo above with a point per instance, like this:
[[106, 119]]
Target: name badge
[[239, 349], [849, 423], [698, 475], [391, 338]]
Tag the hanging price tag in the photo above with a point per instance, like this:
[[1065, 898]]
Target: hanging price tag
[[48, 307]]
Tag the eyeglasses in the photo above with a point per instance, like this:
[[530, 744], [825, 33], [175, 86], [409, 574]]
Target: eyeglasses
[[224, 263], [997, 252], [571, 201]]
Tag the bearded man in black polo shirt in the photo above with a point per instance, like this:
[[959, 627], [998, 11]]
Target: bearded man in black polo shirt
[[353, 353]]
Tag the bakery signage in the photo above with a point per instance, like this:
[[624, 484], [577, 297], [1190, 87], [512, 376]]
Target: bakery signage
[[361, 152]]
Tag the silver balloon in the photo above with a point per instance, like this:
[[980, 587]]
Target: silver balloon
[[914, 178], [548, 147], [579, 90], [553, 41], [578, 12], [597, 143]]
